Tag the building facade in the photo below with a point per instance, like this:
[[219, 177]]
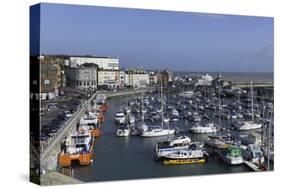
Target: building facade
[[109, 79], [165, 77], [136, 79], [152, 78], [122, 75], [50, 80], [83, 77], [103, 63]]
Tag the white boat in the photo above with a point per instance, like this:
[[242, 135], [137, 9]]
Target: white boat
[[231, 155], [186, 94], [89, 119], [191, 153], [175, 113], [247, 125], [132, 119], [166, 119], [253, 153], [120, 117], [155, 131], [123, 131], [176, 144], [208, 128], [127, 109]]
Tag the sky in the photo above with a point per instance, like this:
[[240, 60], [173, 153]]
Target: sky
[[153, 39]]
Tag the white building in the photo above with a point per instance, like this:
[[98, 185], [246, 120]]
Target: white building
[[104, 63], [136, 79], [122, 78], [83, 77], [152, 78], [109, 79]]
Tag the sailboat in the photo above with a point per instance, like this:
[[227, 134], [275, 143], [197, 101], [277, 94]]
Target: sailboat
[[249, 125], [156, 131]]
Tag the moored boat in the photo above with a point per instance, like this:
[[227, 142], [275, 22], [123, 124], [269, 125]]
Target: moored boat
[[79, 147], [183, 161]]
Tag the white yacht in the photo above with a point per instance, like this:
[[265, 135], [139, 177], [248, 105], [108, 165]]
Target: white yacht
[[123, 131], [166, 120], [231, 155], [253, 153], [120, 117], [132, 119], [127, 109], [89, 119], [249, 125], [155, 131], [208, 128], [191, 153], [176, 144]]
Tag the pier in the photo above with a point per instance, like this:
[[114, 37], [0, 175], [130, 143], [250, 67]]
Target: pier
[[255, 85], [129, 92], [48, 156]]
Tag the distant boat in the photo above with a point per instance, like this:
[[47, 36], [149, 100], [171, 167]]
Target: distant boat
[[123, 131], [120, 117], [156, 131], [231, 155], [253, 153], [249, 125], [193, 152], [169, 146], [208, 128]]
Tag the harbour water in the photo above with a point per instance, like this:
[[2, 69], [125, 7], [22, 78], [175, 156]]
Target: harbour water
[[120, 158]]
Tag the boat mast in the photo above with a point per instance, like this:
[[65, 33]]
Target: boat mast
[[219, 108], [252, 102], [268, 141], [142, 109], [162, 109]]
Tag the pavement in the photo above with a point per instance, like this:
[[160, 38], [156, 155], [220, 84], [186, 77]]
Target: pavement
[[56, 178]]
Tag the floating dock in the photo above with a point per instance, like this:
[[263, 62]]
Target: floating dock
[[253, 166]]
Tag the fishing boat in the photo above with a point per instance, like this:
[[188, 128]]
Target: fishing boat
[[90, 118], [90, 123], [231, 155], [201, 129], [78, 146]]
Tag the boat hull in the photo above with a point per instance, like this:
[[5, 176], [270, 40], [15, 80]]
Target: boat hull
[[183, 161]]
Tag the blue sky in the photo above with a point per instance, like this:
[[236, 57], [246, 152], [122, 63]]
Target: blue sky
[[180, 41]]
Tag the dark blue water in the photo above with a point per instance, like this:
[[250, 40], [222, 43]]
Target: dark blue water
[[118, 158]]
